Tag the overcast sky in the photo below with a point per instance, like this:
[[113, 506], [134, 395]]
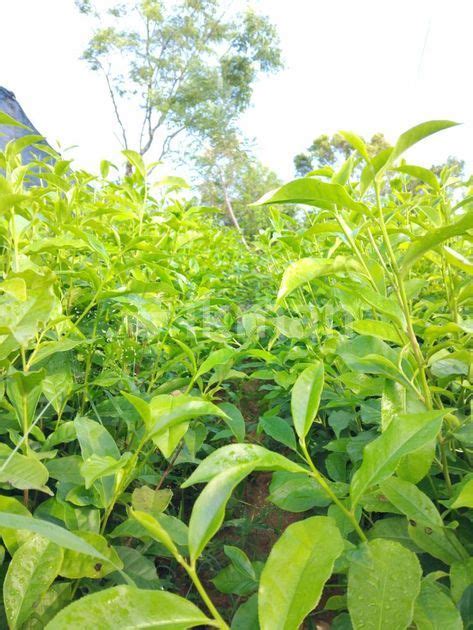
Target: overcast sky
[[366, 66]]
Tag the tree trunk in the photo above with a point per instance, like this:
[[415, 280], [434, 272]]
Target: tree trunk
[[229, 207]]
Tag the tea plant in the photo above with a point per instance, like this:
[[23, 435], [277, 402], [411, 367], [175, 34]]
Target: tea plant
[[144, 352]]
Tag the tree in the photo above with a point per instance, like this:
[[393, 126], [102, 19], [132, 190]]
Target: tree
[[331, 151], [186, 68], [232, 178]]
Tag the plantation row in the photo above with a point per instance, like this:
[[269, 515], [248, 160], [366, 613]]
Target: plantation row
[[196, 433]]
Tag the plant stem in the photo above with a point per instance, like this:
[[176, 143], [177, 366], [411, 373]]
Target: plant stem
[[191, 571], [404, 303], [328, 490], [445, 471]]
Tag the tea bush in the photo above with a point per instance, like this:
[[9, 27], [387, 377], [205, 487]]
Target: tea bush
[[199, 434]]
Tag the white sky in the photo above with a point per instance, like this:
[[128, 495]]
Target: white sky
[[362, 65]]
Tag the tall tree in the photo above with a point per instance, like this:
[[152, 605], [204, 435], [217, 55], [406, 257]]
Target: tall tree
[[232, 178], [184, 67]]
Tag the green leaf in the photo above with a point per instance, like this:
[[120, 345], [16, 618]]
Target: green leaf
[[295, 573], [52, 532], [434, 238], [58, 382], [458, 260], [140, 568], [383, 584], [22, 471], [461, 577], [386, 305], [5, 119], [342, 176], [236, 455], [246, 616], [155, 530], [425, 525], [31, 571], [465, 496], [141, 406], [411, 501], [279, 430], [416, 465], [370, 355], [129, 607], [231, 581], [65, 433], [169, 440], [308, 269], [434, 610], [234, 420], [375, 166], [405, 434], [95, 440], [418, 133], [209, 509], [379, 329], [16, 146], [305, 398], [51, 602], [24, 391], [219, 357], [14, 538], [167, 411], [465, 606], [77, 565], [49, 348], [136, 160], [146, 499], [424, 174], [296, 492], [313, 192], [357, 143], [22, 318], [240, 561], [393, 528], [96, 466]]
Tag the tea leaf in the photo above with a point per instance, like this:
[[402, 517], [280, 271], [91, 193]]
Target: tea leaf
[[305, 398], [313, 192], [308, 269], [290, 590], [405, 434], [465, 496], [129, 607], [156, 530], [236, 455], [434, 610], [62, 537], [416, 134], [383, 585], [30, 573], [434, 238], [209, 509]]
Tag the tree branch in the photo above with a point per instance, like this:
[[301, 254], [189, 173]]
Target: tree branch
[[115, 106]]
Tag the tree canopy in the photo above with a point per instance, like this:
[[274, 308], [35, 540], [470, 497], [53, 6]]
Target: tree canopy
[[186, 67]]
